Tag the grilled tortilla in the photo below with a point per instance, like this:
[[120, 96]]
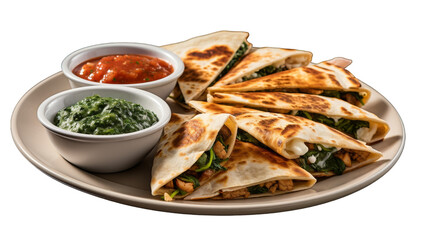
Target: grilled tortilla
[[324, 79], [254, 172], [264, 61], [321, 150], [206, 58], [336, 113], [190, 152]]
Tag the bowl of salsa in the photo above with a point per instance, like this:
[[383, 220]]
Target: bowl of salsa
[[136, 65]]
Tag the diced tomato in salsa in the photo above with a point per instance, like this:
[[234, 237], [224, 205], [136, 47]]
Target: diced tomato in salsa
[[123, 69]]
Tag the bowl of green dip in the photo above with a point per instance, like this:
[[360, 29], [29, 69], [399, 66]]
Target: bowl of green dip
[[104, 129]]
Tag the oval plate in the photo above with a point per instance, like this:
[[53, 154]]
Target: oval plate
[[132, 187]]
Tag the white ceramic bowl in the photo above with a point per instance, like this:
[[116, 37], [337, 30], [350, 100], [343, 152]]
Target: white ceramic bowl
[[161, 87], [104, 153]]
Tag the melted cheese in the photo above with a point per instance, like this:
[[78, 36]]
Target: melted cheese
[[296, 147], [312, 159], [366, 134]]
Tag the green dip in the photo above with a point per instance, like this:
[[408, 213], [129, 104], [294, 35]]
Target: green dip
[[104, 116]]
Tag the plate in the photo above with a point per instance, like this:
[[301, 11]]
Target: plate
[[132, 186]]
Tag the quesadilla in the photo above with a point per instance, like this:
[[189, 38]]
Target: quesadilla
[[324, 79], [319, 149], [190, 152], [265, 61], [254, 172], [207, 58], [333, 112]]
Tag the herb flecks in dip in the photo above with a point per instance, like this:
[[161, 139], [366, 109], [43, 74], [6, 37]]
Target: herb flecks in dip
[[123, 69], [104, 116]]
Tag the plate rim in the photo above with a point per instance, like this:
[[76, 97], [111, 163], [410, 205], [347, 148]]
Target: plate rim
[[193, 207]]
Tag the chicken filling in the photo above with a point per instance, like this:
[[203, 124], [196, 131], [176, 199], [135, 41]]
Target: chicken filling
[[270, 187], [205, 167]]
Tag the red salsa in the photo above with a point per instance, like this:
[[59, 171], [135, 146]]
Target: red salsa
[[123, 69]]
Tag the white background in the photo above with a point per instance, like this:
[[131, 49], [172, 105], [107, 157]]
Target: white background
[[386, 39]]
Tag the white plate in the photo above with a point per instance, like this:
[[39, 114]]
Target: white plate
[[132, 186]]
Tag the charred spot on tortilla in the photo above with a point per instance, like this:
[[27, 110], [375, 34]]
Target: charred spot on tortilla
[[265, 133], [223, 179], [221, 61], [159, 153], [345, 111], [217, 96], [175, 118], [355, 81], [252, 96], [310, 71], [290, 130], [313, 103], [268, 122], [213, 134], [190, 132], [218, 50], [294, 119], [215, 108], [193, 74], [299, 171], [334, 80]]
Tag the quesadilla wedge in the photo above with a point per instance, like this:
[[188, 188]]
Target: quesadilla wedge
[[333, 112], [319, 149], [324, 79], [254, 172], [190, 152], [207, 58], [264, 61]]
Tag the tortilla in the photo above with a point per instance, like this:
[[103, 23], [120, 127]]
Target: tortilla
[[261, 58], [186, 139], [321, 79], [290, 135], [249, 166], [205, 57], [291, 103]]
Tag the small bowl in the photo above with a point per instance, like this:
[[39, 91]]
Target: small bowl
[[161, 87], [104, 153]]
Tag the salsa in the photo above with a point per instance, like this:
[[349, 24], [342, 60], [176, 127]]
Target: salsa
[[104, 116], [123, 69]]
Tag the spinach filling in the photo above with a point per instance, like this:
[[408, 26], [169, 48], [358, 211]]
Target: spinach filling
[[237, 56], [346, 126], [342, 95], [246, 137], [104, 116], [257, 189], [264, 72], [210, 160], [326, 161]]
